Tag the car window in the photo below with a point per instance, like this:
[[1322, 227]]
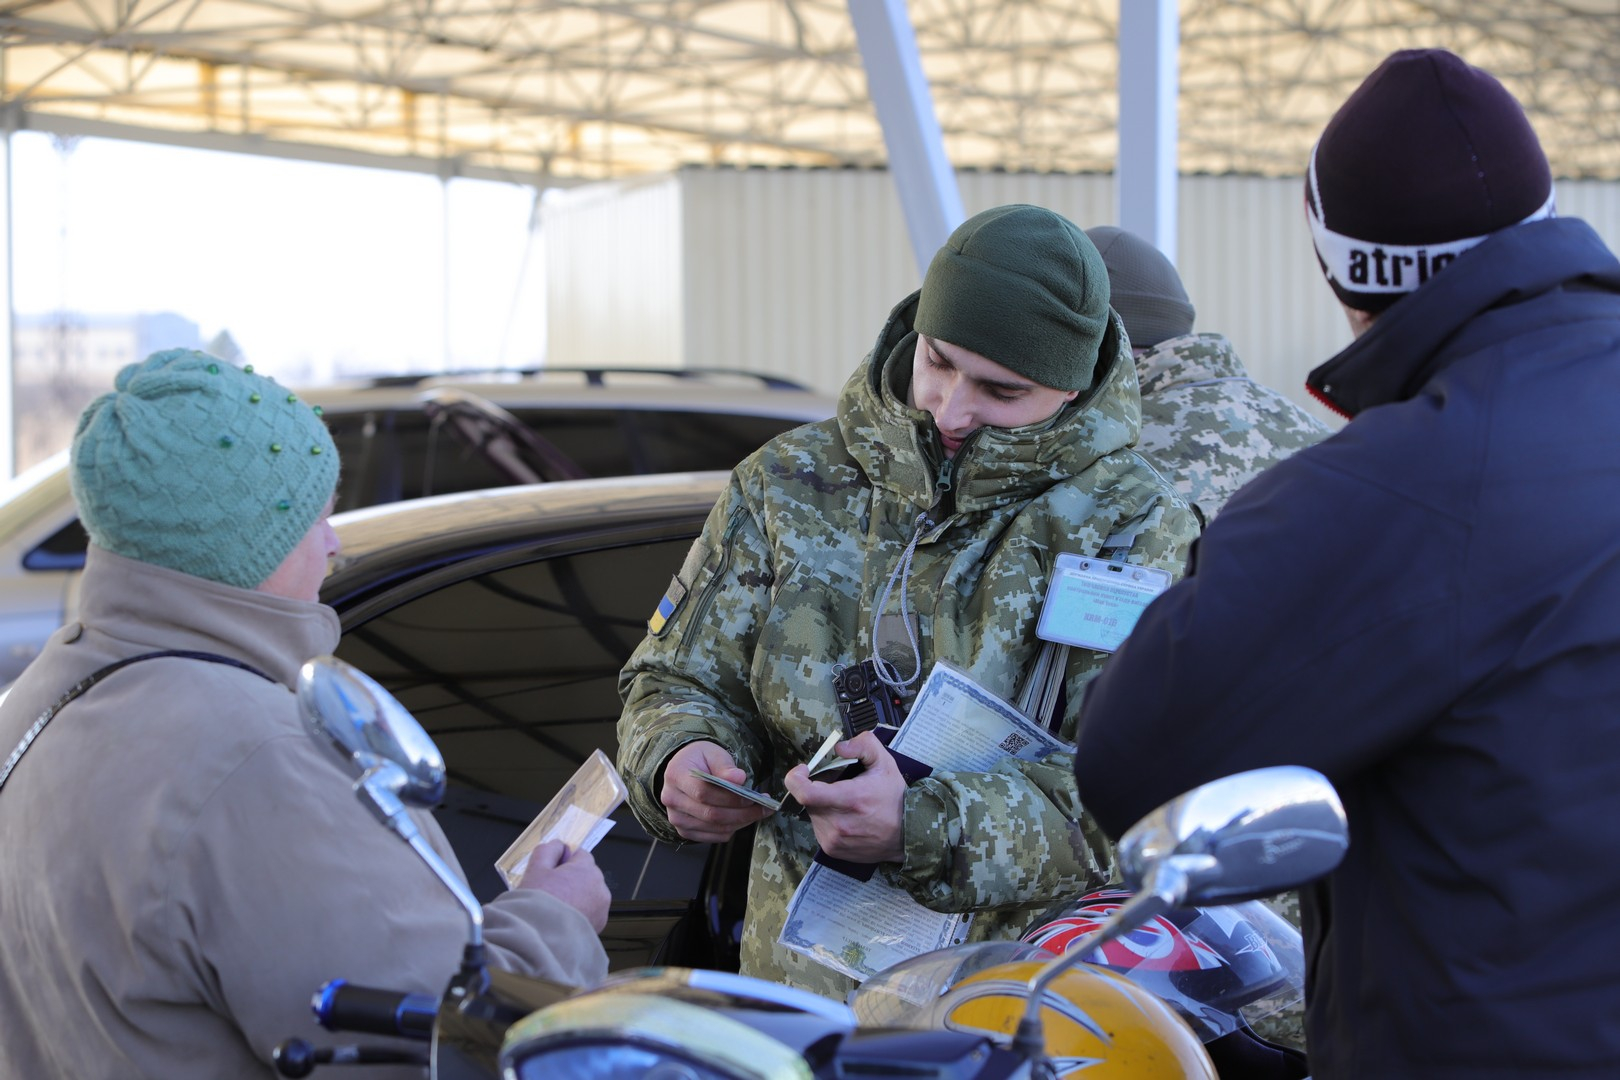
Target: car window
[[62, 550], [390, 455], [514, 672], [633, 441]]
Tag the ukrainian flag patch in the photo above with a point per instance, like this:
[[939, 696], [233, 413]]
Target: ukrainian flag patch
[[667, 607]]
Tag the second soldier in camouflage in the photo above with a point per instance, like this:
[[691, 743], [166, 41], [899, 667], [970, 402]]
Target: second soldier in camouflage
[[1206, 424]]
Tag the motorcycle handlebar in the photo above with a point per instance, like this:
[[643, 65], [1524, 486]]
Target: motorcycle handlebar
[[342, 1006]]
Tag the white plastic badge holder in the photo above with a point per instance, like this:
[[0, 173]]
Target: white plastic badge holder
[[578, 815], [1094, 603]]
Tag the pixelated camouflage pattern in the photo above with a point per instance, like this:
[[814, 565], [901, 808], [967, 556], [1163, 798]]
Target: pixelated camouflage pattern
[[1208, 426], [779, 590], [1285, 1028]]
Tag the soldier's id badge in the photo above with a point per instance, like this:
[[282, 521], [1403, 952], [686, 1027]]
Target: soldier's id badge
[[1094, 603]]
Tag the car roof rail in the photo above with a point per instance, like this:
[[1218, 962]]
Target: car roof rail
[[596, 376]]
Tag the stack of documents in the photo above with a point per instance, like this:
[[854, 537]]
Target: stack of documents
[[862, 927]]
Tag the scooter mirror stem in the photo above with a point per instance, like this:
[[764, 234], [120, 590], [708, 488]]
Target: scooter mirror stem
[[473, 978], [378, 790]]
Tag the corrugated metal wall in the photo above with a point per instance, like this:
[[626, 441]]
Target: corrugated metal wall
[[614, 275], [793, 272], [1246, 259]]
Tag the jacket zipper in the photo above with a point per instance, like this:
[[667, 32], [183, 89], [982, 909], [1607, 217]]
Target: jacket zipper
[[943, 491], [705, 599]]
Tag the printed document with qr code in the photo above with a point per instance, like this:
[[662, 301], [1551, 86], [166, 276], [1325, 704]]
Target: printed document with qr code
[[955, 725]]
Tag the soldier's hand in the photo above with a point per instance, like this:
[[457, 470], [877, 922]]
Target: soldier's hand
[[859, 819], [699, 810]]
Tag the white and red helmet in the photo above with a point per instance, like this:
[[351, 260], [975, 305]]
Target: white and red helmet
[[1207, 962]]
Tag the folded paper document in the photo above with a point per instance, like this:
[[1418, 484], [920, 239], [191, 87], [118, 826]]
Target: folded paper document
[[579, 815]]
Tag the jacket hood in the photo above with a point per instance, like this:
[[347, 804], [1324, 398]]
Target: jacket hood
[[898, 446], [1190, 358], [1411, 342]]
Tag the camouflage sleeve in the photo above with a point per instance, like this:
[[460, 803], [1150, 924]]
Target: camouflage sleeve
[[688, 679], [1017, 836]]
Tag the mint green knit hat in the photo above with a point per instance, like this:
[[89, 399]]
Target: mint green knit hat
[[200, 466], [1022, 286]]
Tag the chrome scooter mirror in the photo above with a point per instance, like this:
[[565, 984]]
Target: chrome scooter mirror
[[1242, 837], [367, 726], [395, 764]]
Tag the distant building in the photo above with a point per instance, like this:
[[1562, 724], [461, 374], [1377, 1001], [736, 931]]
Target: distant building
[[62, 360], [94, 347]]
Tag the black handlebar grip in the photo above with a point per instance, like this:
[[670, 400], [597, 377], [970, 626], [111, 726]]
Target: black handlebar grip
[[295, 1058], [341, 1006]]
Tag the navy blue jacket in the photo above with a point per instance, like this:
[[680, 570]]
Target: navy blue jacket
[[1426, 608]]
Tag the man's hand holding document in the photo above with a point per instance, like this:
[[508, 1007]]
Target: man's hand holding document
[[824, 765], [861, 927]]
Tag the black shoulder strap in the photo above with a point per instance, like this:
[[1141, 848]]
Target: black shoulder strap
[[94, 677]]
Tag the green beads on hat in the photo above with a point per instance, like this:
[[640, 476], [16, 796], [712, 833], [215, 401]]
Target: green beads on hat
[[319, 411], [253, 398], [213, 369], [226, 441], [247, 369], [275, 448], [284, 505], [315, 450]]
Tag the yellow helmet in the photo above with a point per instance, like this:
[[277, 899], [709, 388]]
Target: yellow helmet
[[1096, 1024]]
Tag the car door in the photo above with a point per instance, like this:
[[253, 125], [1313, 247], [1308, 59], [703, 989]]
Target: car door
[[510, 660]]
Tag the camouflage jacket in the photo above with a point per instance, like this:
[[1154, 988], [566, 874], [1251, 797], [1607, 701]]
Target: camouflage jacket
[[1208, 426], [779, 591]]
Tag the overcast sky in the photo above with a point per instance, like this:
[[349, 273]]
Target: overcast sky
[[314, 269]]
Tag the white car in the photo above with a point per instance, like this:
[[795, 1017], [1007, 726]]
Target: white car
[[401, 438]]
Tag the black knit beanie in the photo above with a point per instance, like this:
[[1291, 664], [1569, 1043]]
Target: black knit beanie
[[1024, 287], [1143, 287], [1426, 159]]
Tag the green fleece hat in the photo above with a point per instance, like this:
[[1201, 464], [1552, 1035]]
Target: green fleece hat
[[1024, 287], [199, 466]]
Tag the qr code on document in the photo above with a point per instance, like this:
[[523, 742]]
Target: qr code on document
[[1014, 743]]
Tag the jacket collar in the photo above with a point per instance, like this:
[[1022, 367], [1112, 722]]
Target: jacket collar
[[1187, 359], [898, 446], [151, 607], [1419, 335]]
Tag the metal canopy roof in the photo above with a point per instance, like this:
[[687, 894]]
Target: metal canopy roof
[[553, 92]]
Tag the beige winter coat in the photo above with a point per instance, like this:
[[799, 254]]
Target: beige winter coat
[[181, 865]]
